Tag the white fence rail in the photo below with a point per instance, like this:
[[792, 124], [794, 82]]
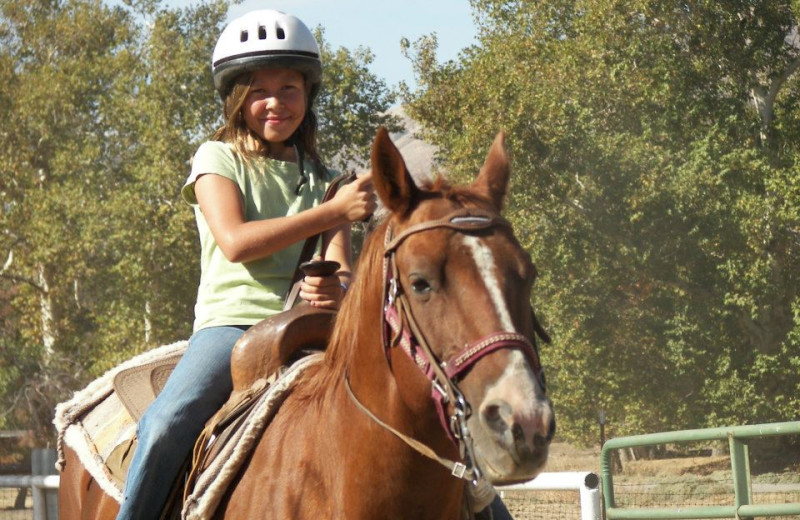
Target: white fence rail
[[586, 483], [38, 484]]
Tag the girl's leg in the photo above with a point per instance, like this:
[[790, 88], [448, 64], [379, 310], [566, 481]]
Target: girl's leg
[[199, 385]]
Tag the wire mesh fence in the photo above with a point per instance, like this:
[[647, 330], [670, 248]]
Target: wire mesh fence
[[16, 504], [693, 492], [543, 505]]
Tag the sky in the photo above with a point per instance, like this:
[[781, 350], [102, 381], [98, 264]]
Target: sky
[[379, 25]]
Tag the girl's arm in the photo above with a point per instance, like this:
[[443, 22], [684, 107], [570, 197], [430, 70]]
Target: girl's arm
[[242, 241], [336, 246]]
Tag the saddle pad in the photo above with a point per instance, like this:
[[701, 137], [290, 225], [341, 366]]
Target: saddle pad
[[212, 483], [138, 386], [94, 422]]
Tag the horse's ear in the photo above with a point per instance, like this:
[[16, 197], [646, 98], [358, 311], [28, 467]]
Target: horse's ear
[[493, 178], [390, 176]]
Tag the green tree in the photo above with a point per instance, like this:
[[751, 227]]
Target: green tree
[[656, 157], [149, 237], [61, 65]]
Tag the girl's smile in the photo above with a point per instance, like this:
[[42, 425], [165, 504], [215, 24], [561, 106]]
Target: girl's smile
[[275, 105]]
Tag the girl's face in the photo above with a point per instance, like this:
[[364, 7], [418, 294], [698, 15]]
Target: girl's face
[[275, 105]]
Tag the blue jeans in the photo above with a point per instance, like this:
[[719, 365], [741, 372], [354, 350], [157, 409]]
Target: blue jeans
[[198, 387]]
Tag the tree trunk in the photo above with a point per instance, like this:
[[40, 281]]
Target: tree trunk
[[764, 100], [48, 314], [148, 324]]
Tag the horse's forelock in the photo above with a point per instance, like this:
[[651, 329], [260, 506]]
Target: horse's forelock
[[463, 196], [459, 195]]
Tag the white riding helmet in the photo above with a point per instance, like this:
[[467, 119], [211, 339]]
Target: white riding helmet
[[265, 39]]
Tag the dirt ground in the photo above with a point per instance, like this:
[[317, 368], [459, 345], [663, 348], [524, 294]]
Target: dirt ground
[[566, 457], [8, 497]]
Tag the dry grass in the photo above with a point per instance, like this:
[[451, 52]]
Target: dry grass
[[679, 466]]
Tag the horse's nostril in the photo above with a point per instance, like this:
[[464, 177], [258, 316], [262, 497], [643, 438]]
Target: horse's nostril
[[491, 414], [497, 415], [518, 433]]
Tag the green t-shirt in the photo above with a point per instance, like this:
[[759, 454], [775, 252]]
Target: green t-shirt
[[246, 293]]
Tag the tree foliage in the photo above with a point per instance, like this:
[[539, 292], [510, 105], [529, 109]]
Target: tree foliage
[[352, 104], [102, 109], [655, 149]]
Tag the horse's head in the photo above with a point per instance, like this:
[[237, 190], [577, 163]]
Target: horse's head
[[458, 289]]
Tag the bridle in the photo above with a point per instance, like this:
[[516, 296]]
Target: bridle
[[400, 329]]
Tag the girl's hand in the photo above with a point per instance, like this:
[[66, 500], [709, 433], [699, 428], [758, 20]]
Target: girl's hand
[[357, 200], [325, 292]]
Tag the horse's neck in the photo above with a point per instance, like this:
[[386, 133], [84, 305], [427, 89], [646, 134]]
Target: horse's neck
[[397, 392]]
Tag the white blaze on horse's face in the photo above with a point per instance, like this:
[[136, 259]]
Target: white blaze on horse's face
[[484, 258], [514, 414]]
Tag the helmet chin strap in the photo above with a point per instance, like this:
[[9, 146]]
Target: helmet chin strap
[[300, 160], [318, 167]]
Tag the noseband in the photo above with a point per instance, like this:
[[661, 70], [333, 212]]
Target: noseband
[[401, 329]]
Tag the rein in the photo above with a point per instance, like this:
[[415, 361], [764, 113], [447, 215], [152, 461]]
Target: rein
[[400, 328]]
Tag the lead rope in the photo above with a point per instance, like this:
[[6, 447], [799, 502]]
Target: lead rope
[[458, 420], [463, 470], [457, 469]]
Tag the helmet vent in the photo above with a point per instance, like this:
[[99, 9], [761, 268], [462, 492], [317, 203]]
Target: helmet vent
[[281, 33], [243, 36], [262, 32]]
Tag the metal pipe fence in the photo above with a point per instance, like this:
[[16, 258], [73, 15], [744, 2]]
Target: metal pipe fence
[[39, 485], [585, 506], [737, 437]]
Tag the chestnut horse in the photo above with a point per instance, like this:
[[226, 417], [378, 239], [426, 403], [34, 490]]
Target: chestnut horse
[[375, 430]]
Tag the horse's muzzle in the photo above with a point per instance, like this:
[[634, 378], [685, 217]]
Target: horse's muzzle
[[512, 429]]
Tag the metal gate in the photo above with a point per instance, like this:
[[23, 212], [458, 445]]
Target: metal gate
[[737, 437]]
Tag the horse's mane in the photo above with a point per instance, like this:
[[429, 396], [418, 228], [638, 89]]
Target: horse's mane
[[351, 317]]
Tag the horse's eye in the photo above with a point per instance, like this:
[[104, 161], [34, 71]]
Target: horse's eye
[[420, 285]]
